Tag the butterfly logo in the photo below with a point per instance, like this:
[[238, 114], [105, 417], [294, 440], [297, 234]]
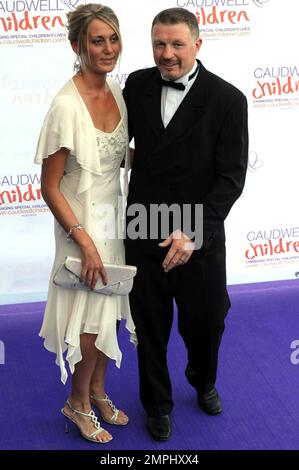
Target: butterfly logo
[[71, 4], [260, 3], [254, 163]]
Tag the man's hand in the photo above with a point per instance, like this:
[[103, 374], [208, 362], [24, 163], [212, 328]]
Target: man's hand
[[180, 250]]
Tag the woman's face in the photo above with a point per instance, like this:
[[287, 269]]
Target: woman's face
[[103, 47]]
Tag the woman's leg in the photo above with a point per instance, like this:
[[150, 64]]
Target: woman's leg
[[97, 390], [81, 380], [97, 384]]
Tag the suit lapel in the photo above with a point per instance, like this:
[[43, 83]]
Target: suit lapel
[[151, 100]]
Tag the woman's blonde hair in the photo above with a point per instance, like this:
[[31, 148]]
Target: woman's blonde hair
[[78, 22]]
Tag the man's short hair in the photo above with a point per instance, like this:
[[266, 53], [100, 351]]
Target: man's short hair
[[176, 16]]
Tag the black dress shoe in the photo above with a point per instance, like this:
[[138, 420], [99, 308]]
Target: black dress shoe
[[210, 402], [159, 427]]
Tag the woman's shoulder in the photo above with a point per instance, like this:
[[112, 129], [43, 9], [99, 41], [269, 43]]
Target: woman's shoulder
[[65, 101], [65, 94]]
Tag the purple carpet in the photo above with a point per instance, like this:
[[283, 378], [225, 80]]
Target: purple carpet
[[257, 382]]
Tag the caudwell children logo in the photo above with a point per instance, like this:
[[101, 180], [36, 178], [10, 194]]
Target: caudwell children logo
[[222, 18], [272, 246], [28, 22], [20, 194], [275, 86]]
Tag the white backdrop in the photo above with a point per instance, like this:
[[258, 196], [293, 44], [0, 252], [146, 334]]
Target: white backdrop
[[251, 43]]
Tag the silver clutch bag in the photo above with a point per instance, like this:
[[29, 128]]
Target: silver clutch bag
[[120, 277]]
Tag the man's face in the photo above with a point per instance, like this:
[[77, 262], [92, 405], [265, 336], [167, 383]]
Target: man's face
[[174, 49]]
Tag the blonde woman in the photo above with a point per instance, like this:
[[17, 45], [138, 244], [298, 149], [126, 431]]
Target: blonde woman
[[82, 143]]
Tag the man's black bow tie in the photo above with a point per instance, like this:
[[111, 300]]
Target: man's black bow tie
[[178, 85]]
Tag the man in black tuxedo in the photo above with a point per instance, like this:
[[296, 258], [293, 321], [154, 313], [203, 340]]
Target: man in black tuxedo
[[191, 147]]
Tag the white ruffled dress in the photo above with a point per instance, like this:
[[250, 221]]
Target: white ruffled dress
[[91, 185]]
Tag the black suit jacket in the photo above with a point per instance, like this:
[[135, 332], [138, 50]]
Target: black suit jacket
[[201, 157]]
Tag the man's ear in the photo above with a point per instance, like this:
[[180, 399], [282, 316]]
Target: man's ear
[[198, 43]]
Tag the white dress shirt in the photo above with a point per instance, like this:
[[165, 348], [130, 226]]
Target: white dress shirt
[[171, 98]]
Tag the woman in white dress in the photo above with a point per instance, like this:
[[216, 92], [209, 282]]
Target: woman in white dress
[[82, 144]]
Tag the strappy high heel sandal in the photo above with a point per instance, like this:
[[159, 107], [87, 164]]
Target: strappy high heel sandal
[[113, 420], [89, 437]]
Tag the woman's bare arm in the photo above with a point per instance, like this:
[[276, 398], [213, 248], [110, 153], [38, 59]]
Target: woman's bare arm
[[52, 173]]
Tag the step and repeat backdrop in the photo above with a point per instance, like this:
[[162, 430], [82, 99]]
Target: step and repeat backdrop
[[251, 43]]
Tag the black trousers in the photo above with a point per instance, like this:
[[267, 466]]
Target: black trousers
[[199, 289]]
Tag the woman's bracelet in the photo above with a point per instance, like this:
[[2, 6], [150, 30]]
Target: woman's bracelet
[[74, 227]]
